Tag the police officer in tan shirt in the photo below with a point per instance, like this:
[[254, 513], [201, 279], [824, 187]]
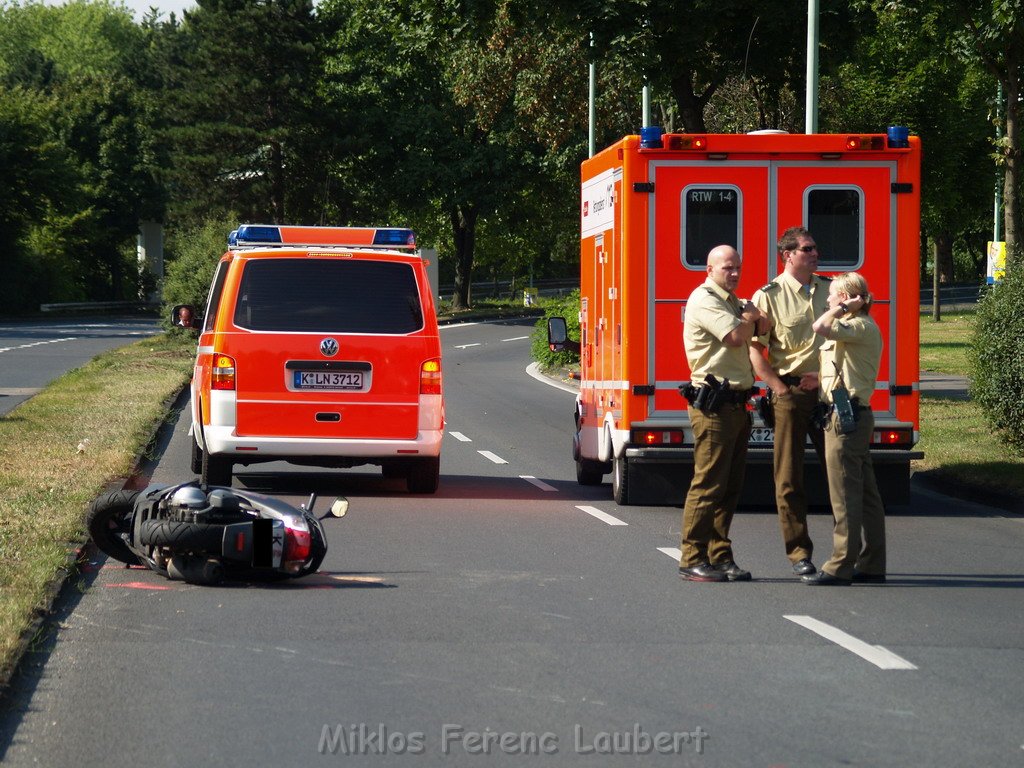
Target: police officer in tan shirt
[[849, 360], [793, 300], [716, 333]]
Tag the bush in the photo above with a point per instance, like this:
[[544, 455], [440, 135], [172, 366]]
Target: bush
[[996, 359], [569, 308], [197, 252]]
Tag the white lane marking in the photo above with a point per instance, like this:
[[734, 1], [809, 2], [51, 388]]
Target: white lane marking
[[674, 552], [460, 437], [533, 369], [455, 325], [881, 657], [516, 338], [467, 346], [602, 516], [38, 344], [492, 457], [539, 483]]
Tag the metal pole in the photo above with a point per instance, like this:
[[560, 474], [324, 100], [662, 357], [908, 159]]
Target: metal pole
[[592, 137], [997, 222], [811, 102], [647, 106]]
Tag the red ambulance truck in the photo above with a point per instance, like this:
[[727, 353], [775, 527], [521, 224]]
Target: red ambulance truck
[[652, 206]]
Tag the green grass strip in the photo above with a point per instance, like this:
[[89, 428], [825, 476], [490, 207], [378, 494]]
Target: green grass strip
[[58, 451]]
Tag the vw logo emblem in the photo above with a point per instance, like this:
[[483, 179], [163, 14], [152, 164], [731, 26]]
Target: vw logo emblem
[[329, 347]]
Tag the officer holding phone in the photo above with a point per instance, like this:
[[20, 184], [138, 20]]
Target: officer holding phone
[[850, 359]]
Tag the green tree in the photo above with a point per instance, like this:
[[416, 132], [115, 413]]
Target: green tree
[[241, 83]]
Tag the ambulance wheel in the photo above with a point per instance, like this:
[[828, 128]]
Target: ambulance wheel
[[589, 472], [216, 470], [424, 475], [620, 481]]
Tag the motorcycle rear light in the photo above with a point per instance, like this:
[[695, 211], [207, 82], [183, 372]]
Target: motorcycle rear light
[[297, 547], [430, 377], [223, 376]]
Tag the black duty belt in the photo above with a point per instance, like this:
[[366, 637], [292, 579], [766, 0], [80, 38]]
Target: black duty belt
[[739, 395], [790, 381]]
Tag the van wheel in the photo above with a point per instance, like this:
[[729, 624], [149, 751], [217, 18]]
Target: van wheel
[[620, 481], [392, 470], [424, 475], [197, 458], [589, 472], [216, 470]]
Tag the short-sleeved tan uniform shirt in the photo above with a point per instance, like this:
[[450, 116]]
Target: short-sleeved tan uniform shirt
[[855, 348], [711, 314], [792, 343]]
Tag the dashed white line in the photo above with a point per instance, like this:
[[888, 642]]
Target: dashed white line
[[516, 338], [38, 344], [881, 657], [460, 437], [602, 516], [539, 483], [492, 457], [674, 552], [467, 346]]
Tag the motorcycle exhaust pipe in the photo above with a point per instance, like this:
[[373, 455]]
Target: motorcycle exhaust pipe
[[195, 570]]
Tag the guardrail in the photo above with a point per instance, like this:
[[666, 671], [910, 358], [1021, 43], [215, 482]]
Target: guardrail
[[99, 306], [967, 293]]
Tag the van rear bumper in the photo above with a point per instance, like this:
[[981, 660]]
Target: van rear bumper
[[223, 441]]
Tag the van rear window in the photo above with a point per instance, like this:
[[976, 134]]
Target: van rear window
[[329, 296]]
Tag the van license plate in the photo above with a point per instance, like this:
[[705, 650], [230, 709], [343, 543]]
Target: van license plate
[[344, 380], [762, 436]]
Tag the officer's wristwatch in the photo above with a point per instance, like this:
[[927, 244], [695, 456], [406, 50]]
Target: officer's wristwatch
[[842, 306]]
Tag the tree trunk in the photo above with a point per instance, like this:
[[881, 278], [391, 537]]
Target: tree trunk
[[943, 255], [1011, 200], [463, 220], [691, 106], [277, 183]]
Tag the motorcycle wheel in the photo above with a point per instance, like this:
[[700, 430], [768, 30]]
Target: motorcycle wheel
[[108, 517]]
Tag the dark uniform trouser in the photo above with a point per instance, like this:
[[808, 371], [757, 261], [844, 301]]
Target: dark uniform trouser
[[792, 427], [856, 503], [719, 459]]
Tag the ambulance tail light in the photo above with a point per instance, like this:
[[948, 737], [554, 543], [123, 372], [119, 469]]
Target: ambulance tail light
[[223, 377], [430, 377], [855, 143], [899, 437], [657, 436]]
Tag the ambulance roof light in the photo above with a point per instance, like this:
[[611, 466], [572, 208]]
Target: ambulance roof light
[[650, 137], [898, 136], [277, 235]]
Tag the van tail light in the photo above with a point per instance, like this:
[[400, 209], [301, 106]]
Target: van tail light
[[223, 372], [298, 544], [430, 377]]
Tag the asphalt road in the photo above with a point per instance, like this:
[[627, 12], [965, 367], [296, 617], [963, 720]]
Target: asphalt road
[[518, 618], [35, 352]]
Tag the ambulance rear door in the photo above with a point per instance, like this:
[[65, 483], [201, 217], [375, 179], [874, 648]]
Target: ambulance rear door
[[697, 206], [849, 207]]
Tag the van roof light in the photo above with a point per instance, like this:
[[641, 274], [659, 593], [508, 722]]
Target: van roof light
[[275, 235]]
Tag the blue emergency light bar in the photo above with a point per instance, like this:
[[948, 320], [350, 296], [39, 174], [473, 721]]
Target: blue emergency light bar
[[282, 235]]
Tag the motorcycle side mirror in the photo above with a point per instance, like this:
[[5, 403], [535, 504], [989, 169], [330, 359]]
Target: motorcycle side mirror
[[339, 507]]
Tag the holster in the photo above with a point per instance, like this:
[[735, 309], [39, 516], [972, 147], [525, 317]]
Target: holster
[[766, 410]]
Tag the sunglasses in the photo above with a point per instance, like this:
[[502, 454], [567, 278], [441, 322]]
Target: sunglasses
[[805, 248]]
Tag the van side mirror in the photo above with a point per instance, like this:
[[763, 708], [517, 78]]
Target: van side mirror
[[558, 336]]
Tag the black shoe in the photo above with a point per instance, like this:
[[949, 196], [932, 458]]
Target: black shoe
[[868, 578], [732, 571], [702, 572], [823, 579], [803, 567]]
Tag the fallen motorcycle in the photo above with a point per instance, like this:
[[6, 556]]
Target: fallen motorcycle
[[202, 534]]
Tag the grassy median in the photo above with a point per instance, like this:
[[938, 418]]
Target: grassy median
[[58, 451]]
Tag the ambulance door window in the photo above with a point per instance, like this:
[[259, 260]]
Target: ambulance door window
[[835, 216], [711, 216]]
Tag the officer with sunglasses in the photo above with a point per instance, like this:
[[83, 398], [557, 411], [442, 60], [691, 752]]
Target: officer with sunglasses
[[786, 360]]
